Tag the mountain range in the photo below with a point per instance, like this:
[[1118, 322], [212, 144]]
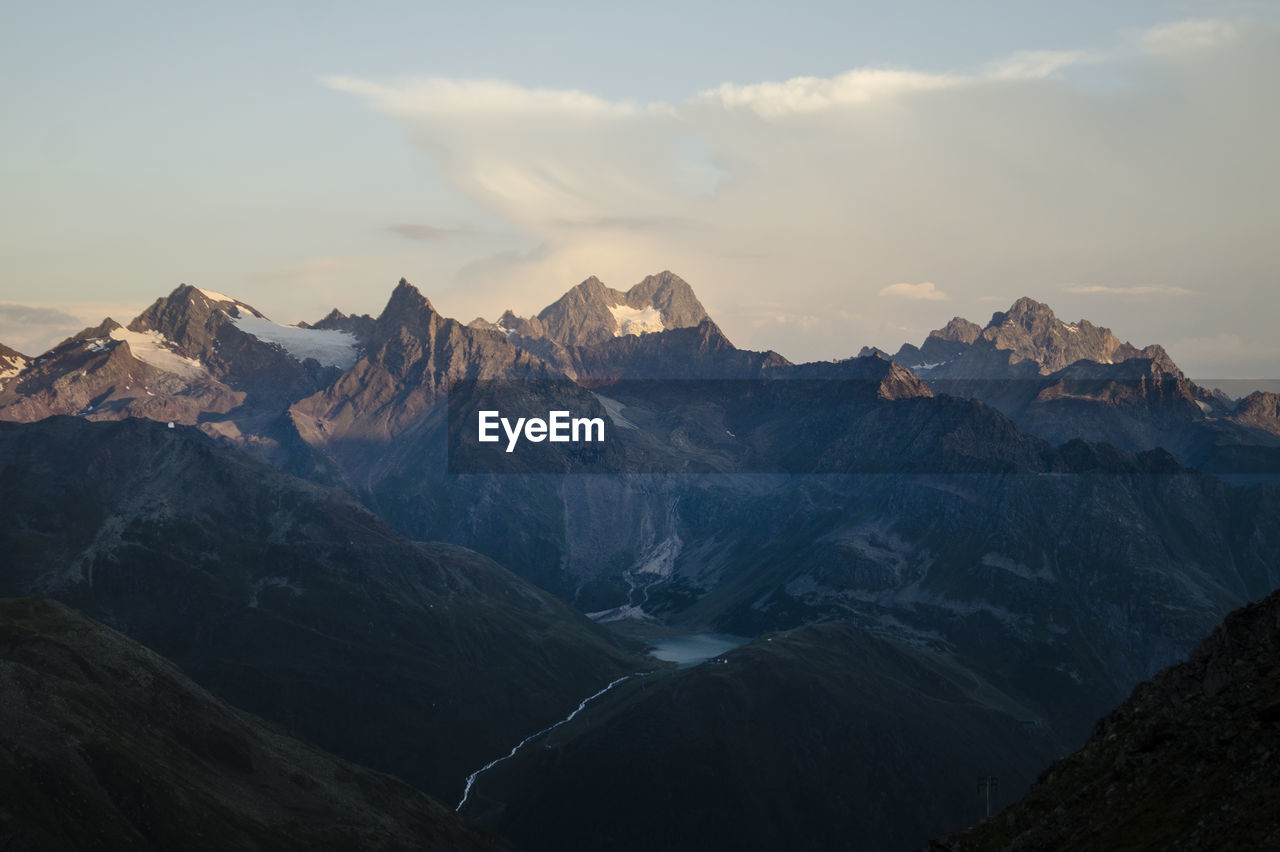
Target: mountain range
[[1063, 380], [974, 548]]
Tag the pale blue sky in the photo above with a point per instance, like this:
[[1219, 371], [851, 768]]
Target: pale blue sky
[[271, 151]]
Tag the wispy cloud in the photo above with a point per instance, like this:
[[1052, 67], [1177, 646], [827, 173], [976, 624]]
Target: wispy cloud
[[442, 96], [32, 329], [1188, 36], [429, 233], [1145, 290], [999, 177], [1037, 64], [925, 291], [18, 315], [816, 94]]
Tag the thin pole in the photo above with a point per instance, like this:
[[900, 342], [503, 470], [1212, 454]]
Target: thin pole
[[987, 783]]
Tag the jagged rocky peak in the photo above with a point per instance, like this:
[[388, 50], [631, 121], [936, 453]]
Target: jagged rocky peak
[[1031, 331], [334, 316], [592, 312], [189, 318], [942, 345], [360, 325], [1028, 332], [186, 305], [673, 298], [959, 330], [510, 323], [1261, 410], [900, 383], [406, 307]]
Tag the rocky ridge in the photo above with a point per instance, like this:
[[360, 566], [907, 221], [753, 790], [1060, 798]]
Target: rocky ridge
[[1062, 380]]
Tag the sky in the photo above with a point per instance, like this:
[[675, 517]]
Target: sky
[[825, 175]]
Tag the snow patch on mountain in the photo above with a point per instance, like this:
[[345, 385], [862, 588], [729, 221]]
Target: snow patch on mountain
[[19, 364], [218, 297], [626, 612], [636, 320], [613, 409], [661, 559], [152, 347], [331, 347]]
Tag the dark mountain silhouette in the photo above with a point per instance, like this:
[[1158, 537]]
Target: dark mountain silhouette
[[106, 745], [826, 737], [1188, 761]]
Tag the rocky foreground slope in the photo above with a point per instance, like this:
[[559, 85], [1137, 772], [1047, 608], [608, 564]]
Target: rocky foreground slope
[[1190, 761]]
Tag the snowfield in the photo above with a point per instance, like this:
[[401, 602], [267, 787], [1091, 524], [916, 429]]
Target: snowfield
[[19, 364], [636, 320], [152, 347], [330, 347]]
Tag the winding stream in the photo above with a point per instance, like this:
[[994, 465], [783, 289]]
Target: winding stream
[[471, 779]]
